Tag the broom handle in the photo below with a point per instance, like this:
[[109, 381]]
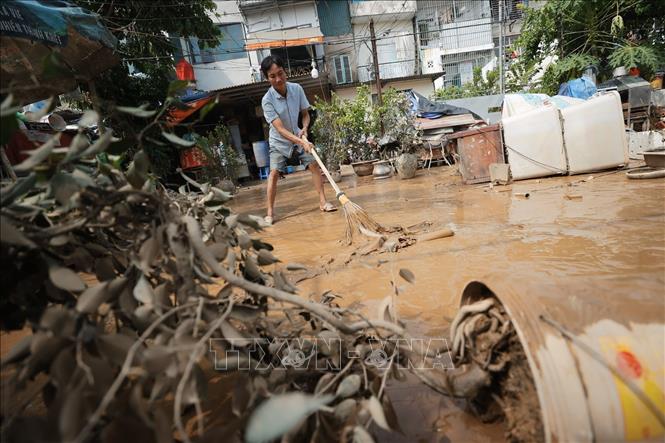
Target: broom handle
[[325, 170]]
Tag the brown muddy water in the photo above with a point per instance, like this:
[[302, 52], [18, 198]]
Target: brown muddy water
[[592, 244], [588, 242]]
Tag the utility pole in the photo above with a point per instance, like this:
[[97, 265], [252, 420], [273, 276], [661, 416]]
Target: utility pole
[[375, 59], [501, 55]]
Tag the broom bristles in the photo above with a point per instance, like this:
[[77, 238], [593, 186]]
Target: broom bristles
[[358, 219]]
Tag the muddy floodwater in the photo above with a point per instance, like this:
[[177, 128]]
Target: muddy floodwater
[[591, 241]]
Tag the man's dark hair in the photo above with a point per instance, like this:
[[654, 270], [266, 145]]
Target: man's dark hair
[[269, 61]]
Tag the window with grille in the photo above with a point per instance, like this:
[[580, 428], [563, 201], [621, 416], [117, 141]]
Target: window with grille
[[342, 68]]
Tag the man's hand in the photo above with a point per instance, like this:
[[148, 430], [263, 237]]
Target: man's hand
[[306, 144], [303, 133]]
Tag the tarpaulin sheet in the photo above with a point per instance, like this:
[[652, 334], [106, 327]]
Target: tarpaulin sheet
[[428, 109]]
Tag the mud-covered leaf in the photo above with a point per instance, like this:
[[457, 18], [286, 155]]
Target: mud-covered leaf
[[218, 250], [38, 155], [349, 386], [100, 145], [20, 187], [114, 347], [386, 310], [137, 173], [65, 278], [143, 292], [235, 337], [12, 235], [323, 382], [177, 140], [141, 112], [156, 359], [376, 411], [241, 396], [104, 269], [265, 257], [345, 409], [72, 415], [18, 352], [149, 252], [89, 118], [360, 435], [244, 241], [296, 267], [63, 187], [93, 297], [407, 275], [279, 414]]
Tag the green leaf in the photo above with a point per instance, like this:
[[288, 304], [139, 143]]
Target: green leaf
[[141, 112], [177, 140], [207, 108], [176, 86]]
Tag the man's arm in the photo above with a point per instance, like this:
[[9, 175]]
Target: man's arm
[[277, 123], [305, 123]]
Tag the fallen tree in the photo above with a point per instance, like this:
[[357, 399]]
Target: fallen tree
[[134, 293]]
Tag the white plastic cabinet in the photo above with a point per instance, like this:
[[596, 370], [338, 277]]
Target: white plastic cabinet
[[594, 134], [534, 143]]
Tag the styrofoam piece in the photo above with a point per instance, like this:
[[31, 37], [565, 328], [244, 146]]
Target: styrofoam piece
[[594, 135], [534, 143], [639, 142]]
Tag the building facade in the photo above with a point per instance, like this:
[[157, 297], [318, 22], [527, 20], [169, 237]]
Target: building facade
[[421, 44]]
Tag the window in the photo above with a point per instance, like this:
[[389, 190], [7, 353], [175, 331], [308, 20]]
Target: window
[[342, 68], [230, 47]]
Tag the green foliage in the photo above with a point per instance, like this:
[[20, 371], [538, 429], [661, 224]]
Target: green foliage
[[630, 56], [352, 128], [222, 157], [346, 128], [600, 32], [478, 86]]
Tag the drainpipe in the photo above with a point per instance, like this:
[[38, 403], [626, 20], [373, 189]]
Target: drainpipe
[[416, 41]]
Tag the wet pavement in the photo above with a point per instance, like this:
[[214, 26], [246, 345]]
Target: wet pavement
[[592, 244]]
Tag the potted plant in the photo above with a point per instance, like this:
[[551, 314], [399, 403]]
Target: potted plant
[[327, 135], [400, 131], [345, 130]]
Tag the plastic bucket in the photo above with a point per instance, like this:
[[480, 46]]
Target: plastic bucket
[[261, 153]]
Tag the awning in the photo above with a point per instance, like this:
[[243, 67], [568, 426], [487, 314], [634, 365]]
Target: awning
[[284, 38], [253, 92], [177, 115]]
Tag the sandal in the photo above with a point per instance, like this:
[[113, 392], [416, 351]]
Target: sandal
[[328, 207], [268, 219]]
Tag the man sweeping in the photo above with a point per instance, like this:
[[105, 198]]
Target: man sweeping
[[282, 105]]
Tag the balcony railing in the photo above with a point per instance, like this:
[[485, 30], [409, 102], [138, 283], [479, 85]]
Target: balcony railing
[[388, 70]]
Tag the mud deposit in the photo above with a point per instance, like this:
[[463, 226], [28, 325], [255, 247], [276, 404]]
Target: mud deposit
[[598, 255]]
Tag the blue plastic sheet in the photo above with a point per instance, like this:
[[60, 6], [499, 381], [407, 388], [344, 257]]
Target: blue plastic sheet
[[579, 88]]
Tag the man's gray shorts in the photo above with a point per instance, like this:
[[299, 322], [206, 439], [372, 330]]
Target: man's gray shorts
[[278, 160]]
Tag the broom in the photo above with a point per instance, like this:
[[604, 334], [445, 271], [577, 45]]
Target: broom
[[356, 217]]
